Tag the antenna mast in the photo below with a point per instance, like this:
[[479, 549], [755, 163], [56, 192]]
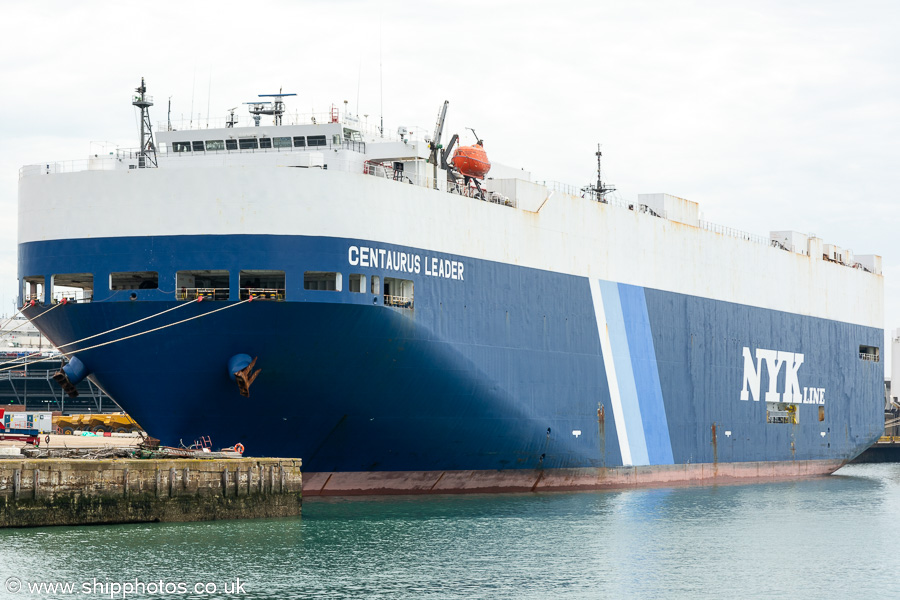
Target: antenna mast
[[276, 108], [147, 156], [598, 192]]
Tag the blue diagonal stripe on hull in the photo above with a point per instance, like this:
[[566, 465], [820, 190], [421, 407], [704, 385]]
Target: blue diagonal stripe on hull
[[646, 374], [624, 372]]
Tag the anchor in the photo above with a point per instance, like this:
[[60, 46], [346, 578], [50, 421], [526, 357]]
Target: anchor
[[240, 368]]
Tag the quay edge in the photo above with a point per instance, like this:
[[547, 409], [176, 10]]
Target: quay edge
[[44, 492]]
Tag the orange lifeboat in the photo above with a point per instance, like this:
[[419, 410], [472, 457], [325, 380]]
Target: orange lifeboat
[[471, 161]]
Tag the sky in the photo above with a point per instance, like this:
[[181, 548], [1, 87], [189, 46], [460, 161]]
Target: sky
[[772, 115]]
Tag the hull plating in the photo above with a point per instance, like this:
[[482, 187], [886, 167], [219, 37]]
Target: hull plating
[[499, 369]]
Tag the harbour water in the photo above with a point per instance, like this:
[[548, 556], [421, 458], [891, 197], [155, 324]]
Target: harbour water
[[829, 537]]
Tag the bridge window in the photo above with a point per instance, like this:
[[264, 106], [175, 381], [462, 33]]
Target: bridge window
[[209, 284], [871, 353], [215, 145], [262, 285], [248, 143], [33, 289], [74, 287], [197, 146], [231, 145], [181, 146], [134, 280], [315, 140], [398, 292], [357, 283], [265, 142], [322, 281], [299, 141], [281, 142]]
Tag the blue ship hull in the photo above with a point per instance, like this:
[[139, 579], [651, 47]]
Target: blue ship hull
[[501, 371]]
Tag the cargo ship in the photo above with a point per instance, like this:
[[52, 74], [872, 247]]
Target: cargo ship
[[413, 318]]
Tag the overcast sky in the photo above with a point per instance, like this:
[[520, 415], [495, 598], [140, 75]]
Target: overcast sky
[[771, 115]]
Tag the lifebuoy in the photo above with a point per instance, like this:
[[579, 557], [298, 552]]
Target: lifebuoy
[[239, 448]]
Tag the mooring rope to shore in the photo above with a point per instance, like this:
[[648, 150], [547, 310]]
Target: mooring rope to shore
[[25, 358], [128, 337]]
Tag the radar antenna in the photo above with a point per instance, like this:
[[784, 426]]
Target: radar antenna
[[276, 108], [598, 192], [147, 156], [231, 120]]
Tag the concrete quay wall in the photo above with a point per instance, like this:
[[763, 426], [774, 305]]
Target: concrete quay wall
[[42, 492]]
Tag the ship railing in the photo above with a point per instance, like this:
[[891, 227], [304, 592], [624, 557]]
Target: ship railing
[[353, 122], [472, 191], [735, 233], [558, 186], [110, 162], [868, 356], [73, 297], [123, 159], [344, 144], [262, 294], [205, 293], [398, 301]]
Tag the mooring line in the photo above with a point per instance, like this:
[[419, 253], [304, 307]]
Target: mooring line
[[128, 337]]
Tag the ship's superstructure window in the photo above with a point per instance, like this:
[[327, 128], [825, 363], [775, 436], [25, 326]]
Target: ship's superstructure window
[[181, 146], [215, 145], [197, 146], [778, 412], [299, 141], [33, 288], [322, 281], [872, 353], [231, 145], [74, 287], [210, 284], [315, 140], [265, 142], [357, 283], [376, 285], [134, 280], [262, 285], [248, 143], [398, 292], [821, 413], [281, 142]]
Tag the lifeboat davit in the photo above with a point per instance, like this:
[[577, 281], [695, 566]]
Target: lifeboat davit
[[471, 161]]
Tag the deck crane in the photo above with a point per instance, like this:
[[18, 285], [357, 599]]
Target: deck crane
[[435, 145]]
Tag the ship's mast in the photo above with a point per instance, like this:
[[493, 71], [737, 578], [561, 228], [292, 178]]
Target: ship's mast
[[147, 156], [599, 191]]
